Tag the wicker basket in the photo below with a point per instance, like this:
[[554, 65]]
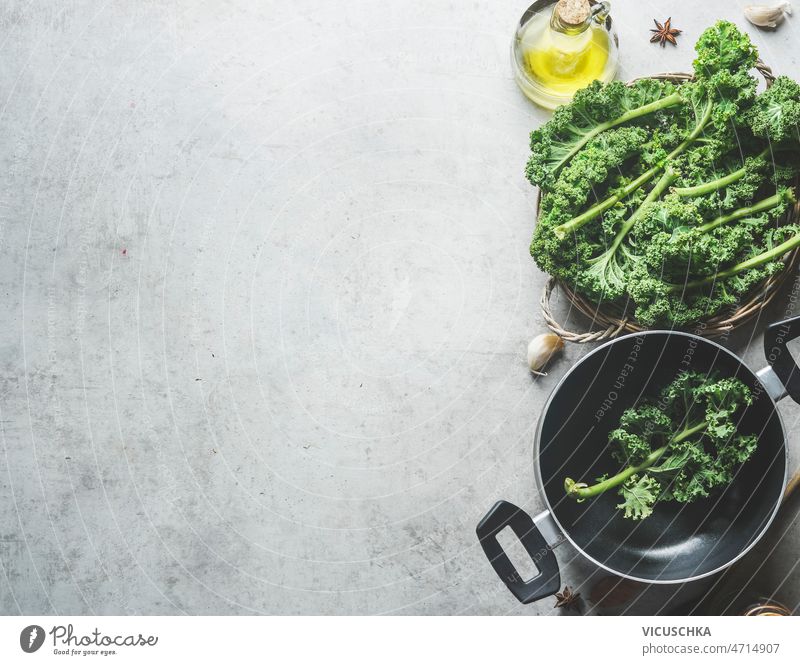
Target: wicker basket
[[611, 319]]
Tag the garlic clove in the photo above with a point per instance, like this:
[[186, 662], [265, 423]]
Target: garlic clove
[[541, 348], [767, 16]]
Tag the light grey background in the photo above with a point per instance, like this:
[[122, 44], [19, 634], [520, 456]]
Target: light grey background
[[266, 294]]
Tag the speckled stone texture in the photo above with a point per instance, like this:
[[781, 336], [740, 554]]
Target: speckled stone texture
[[266, 295]]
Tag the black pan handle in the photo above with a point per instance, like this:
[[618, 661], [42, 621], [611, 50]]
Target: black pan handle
[[778, 356], [504, 514]]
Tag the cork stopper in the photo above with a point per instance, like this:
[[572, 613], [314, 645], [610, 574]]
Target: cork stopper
[[573, 12]]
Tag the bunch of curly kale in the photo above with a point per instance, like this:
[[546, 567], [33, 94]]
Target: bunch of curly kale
[[680, 447], [670, 195]]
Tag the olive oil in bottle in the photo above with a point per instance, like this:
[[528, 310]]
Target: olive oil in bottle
[[560, 51]]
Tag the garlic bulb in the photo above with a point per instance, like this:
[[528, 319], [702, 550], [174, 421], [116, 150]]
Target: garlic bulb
[[541, 349], [767, 16]]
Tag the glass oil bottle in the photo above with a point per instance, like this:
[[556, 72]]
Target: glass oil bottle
[[561, 46]]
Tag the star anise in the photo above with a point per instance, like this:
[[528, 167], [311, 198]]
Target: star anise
[[566, 598], [665, 33]]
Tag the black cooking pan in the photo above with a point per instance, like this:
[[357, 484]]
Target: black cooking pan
[[678, 542]]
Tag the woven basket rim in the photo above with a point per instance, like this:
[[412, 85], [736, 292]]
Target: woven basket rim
[[614, 322]]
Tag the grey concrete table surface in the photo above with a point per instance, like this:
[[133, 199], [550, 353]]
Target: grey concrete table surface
[[266, 297]]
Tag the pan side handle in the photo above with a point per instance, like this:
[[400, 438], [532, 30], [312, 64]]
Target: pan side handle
[[548, 581], [780, 359]]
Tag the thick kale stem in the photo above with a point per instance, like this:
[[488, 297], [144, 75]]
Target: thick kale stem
[[719, 183], [652, 107], [605, 266], [598, 209], [754, 262], [658, 189], [748, 211], [712, 185], [580, 491], [577, 222]]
